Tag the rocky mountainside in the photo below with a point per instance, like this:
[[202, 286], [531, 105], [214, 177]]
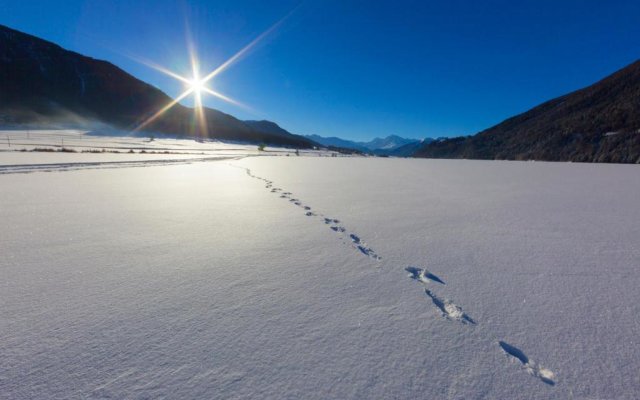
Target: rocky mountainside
[[42, 84], [600, 123]]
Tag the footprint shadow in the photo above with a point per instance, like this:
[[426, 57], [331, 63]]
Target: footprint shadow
[[450, 310], [544, 374], [422, 275]]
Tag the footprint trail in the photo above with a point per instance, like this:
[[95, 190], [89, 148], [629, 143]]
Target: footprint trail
[[446, 308], [333, 223], [453, 312]]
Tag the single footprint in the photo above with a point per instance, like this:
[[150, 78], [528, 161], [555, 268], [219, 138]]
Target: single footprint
[[367, 251], [449, 310], [309, 214], [544, 374], [422, 275], [337, 229]]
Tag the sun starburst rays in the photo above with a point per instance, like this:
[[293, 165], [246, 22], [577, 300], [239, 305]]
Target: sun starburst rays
[[196, 85], [164, 109]]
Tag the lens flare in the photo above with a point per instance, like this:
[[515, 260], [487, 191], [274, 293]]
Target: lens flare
[[196, 85], [162, 111]]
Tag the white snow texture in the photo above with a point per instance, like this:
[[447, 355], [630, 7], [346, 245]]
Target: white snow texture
[[317, 278]]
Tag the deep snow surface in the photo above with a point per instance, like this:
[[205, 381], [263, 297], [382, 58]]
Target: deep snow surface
[[308, 277]]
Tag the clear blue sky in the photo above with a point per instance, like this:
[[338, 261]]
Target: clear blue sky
[[358, 69]]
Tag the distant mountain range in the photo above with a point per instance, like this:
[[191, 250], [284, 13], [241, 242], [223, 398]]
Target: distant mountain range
[[381, 146], [600, 123], [44, 84]]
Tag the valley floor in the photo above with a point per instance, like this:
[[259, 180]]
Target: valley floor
[[316, 278]]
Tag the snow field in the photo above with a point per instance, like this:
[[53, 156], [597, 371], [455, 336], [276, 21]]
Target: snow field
[[258, 278]]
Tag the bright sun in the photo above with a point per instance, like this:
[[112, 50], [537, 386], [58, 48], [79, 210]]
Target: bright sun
[[196, 85]]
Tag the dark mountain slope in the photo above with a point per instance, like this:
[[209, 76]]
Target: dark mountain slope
[[42, 83], [268, 127], [600, 123]]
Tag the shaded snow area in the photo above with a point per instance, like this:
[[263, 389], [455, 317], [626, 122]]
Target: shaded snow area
[[321, 278]]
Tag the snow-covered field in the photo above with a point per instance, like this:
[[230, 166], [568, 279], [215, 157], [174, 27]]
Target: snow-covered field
[[320, 278], [53, 150]]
